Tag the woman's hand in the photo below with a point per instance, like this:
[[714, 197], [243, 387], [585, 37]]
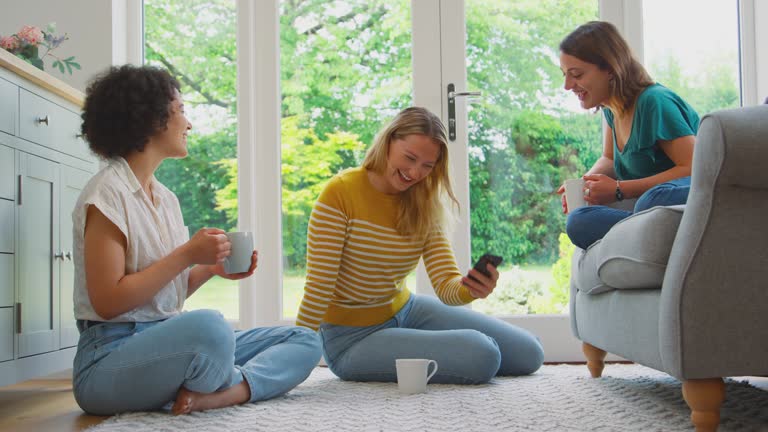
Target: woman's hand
[[482, 286], [599, 189], [218, 269], [208, 246], [561, 192]]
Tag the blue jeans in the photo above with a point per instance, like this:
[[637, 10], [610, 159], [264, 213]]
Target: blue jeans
[[586, 225], [469, 347], [140, 366]]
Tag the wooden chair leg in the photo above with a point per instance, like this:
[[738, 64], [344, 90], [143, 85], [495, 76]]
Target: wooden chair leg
[[595, 359], [704, 397]]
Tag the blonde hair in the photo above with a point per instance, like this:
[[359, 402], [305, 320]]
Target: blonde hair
[[421, 209], [599, 43]]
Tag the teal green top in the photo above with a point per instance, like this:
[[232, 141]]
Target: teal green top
[[660, 114]]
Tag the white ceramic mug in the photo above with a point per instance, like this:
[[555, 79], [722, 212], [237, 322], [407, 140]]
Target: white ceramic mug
[[574, 193], [412, 375], [239, 259]]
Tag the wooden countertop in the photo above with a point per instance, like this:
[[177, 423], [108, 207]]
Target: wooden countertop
[[43, 79]]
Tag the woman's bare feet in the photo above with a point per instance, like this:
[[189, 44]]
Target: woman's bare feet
[[188, 401]]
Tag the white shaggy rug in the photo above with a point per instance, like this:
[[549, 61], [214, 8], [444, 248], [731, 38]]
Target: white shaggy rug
[[556, 398]]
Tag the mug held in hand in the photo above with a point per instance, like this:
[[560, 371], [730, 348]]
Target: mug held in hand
[[482, 264], [239, 259]]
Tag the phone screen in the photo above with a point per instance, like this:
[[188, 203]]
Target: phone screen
[[482, 264]]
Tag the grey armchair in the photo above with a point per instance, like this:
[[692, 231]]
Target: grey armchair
[[684, 289]]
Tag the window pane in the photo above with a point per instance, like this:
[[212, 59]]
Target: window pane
[[195, 40], [692, 47], [526, 135], [345, 70]]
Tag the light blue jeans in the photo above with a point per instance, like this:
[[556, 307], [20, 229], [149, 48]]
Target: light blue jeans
[[469, 347], [586, 225], [140, 366]]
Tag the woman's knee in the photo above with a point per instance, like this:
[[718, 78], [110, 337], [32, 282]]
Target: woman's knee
[[525, 358], [311, 340], [577, 227], [670, 193], [486, 357], [207, 331]]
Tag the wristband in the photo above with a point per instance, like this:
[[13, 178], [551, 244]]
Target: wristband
[[619, 193]]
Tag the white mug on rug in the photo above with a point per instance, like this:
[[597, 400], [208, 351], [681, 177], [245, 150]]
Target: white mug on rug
[[412, 375]]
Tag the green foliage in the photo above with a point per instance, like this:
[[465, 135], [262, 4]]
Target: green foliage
[[522, 145], [196, 179], [345, 66], [515, 211], [346, 69], [512, 295], [555, 299], [68, 63], [308, 163], [716, 87]]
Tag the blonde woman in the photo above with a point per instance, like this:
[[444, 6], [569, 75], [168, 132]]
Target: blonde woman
[[369, 228], [648, 144]]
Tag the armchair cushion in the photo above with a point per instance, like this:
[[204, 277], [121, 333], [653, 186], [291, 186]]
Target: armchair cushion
[[633, 254]]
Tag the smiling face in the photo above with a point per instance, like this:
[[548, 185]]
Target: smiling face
[[587, 81], [173, 138], [410, 160]]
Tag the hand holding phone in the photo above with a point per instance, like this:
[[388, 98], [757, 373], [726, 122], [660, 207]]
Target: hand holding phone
[[482, 264]]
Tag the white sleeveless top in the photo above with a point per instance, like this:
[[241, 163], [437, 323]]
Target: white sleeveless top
[[152, 232]]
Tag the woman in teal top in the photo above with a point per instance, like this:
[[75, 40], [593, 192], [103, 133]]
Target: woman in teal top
[[648, 144]]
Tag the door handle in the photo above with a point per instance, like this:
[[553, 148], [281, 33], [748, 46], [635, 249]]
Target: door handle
[[452, 95], [18, 318]]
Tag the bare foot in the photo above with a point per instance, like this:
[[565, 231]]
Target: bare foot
[[188, 401]]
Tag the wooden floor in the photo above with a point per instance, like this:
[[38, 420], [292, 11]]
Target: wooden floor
[[47, 405], [42, 405]]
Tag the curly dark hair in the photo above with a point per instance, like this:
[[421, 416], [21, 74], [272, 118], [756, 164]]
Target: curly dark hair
[[124, 107]]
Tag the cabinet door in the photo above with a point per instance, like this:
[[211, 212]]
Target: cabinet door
[[72, 182], [37, 272], [7, 171], [6, 280], [9, 106], [6, 334], [6, 226]]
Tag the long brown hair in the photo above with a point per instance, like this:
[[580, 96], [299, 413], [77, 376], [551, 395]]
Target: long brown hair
[[421, 209], [599, 43]]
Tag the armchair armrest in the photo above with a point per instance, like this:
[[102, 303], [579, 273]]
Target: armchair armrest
[[713, 319]]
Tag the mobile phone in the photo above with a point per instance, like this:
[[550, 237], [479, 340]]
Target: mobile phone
[[482, 264]]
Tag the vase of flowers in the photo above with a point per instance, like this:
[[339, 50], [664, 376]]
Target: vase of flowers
[[33, 45]]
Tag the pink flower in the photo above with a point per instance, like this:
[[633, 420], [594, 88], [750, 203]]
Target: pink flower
[[9, 43], [31, 35]]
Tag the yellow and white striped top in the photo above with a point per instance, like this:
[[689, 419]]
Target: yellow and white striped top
[[357, 262]]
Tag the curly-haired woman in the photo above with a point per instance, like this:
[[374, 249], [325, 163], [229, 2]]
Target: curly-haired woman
[[135, 265]]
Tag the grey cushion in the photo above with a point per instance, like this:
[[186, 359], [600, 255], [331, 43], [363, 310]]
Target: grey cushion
[[635, 251]]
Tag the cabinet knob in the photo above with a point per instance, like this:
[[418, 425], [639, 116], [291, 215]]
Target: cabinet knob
[[68, 256], [41, 120], [58, 255], [79, 136]]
